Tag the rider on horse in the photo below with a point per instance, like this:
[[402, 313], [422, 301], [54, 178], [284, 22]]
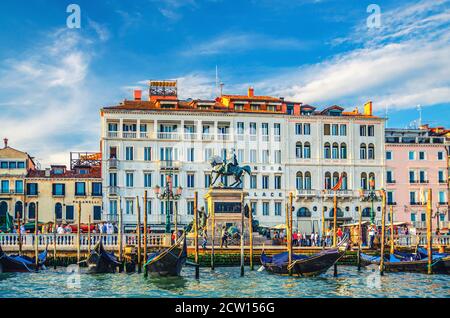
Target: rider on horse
[[231, 163]]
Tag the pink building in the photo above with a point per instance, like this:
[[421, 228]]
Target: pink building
[[416, 160]]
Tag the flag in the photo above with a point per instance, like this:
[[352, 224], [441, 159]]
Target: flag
[[338, 184]]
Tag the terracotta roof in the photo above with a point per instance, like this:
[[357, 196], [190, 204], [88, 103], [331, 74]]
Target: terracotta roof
[[95, 172], [253, 98]]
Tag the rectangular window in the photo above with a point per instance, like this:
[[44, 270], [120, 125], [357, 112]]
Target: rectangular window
[[265, 129], [190, 154], [326, 129], [5, 186], [21, 165], [277, 182], [253, 156], [96, 189], [4, 165], [129, 180], [208, 154], [190, 180], [298, 129], [441, 176], [253, 181], [147, 180], [190, 207], [252, 128], [277, 208], [129, 207], [371, 130], [440, 155], [207, 180], [390, 197], [59, 189], [334, 129], [422, 176], [240, 128], [277, 156], [411, 155], [113, 207], [80, 188], [412, 176], [265, 182], [18, 186], [343, 129], [388, 155], [362, 130], [149, 207], [265, 156], [240, 155], [266, 208], [277, 129], [442, 197], [32, 188], [412, 197], [307, 129], [253, 207], [12, 165], [413, 217], [147, 153], [97, 213], [69, 212], [421, 155], [389, 176], [113, 179], [129, 153]]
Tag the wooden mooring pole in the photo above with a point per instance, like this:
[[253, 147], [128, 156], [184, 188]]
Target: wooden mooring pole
[[89, 234], [289, 232], [358, 256], [145, 229], [36, 237], [19, 230], [250, 230], [120, 235], [213, 234], [429, 230], [242, 235], [197, 269], [391, 213], [79, 234], [138, 233], [335, 206], [54, 240], [383, 230]]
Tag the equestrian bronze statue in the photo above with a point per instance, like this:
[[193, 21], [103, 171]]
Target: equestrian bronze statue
[[231, 167]]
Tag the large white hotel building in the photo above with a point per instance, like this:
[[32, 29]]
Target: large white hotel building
[[289, 146]]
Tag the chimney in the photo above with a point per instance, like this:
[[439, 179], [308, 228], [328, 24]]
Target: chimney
[[368, 108], [6, 142], [137, 94], [251, 92]]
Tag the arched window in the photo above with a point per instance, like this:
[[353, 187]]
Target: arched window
[[372, 180], [303, 213], [299, 180], [58, 211], [335, 178], [371, 152], [308, 184], [366, 212], [335, 152], [3, 212], [363, 152], [343, 151], [344, 181], [307, 150], [298, 150], [327, 180], [327, 151], [340, 214], [364, 181], [32, 211], [18, 210]]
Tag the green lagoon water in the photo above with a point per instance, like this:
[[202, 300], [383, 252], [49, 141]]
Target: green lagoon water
[[224, 282]]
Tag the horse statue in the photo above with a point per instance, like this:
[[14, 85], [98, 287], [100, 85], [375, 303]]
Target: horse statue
[[231, 168]]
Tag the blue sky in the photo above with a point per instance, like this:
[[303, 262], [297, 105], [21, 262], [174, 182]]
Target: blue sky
[[54, 80]]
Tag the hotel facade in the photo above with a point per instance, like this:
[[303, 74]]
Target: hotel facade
[[289, 146]]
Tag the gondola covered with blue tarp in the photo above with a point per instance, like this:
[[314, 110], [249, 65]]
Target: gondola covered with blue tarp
[[101, 261], [21, 263]]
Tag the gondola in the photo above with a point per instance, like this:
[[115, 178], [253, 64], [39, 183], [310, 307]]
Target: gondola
[[100, 261], [170, 261], [303, 265], [21, 263], [412, 263]]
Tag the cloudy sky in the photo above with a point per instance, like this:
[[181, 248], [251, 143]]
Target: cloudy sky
[[54, 80]]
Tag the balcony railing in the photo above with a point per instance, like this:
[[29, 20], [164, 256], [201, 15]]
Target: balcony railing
[[169, 135], [113, 190], [207, 137], [190, 136], [169, 164], [306, 193], [340, 193], [113, 163], [113, 134], [128, 134], [144, 135], [223, 137]]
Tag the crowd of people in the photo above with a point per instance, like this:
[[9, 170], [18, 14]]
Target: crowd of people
[[312, 239]]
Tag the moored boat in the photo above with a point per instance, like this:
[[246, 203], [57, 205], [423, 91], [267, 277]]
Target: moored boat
[[303, 265], [170, 261], [101, 261], [414, 264], [21, 263]]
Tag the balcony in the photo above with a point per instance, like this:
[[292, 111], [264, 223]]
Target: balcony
[[113, 190], [265, 138], [190, 136], [144, 135], [168, 135], [277, 138], [113, 134], [339, 193], [306, 193], [223, 137], [239, 137], [207, 137], [169, 165], [113, 163], [129, 134]]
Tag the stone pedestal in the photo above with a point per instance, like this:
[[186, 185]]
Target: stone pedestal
[[224, 208]]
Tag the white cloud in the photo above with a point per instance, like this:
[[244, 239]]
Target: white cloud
[[47, 91], [404, 64], [100, 29]]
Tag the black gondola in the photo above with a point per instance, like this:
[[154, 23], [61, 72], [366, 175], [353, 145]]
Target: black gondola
[[21, 263], [412, 263], [170, 261], [303, 265], [100, 261]]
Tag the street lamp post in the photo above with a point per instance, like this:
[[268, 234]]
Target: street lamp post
[[437, 216], [168, 194], [372, 196]]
